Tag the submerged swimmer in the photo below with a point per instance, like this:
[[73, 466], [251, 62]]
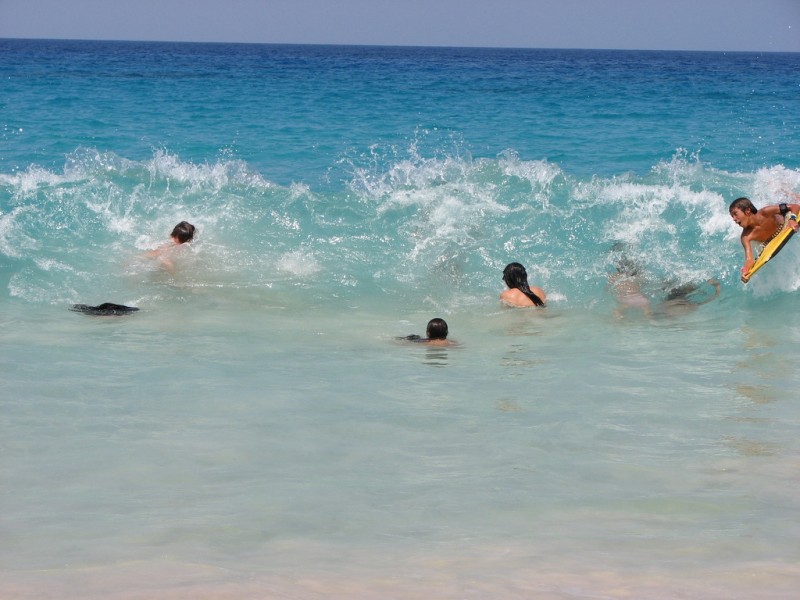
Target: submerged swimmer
[[106, 309], [683, 299], [181, 234], [519, 293], [436, 334], [626, 284]]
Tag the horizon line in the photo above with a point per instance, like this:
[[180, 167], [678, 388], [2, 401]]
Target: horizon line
[[364, 45]]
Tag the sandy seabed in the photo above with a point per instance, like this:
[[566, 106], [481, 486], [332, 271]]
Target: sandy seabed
[[498, 574]]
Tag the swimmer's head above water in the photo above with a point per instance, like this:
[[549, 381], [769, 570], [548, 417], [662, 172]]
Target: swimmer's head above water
[[516, 278], [435, 333], [436, 329], [182, 232]]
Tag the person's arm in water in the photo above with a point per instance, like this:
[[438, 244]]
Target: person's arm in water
[[162, 256], [749, 261], [716, 285]]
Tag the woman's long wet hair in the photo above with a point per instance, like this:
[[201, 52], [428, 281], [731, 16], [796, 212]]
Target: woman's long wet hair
[[516, 276]]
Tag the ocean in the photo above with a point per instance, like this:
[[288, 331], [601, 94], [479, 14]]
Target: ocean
[[258, 429]]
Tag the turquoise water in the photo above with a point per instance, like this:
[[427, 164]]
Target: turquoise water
[[256, 430]]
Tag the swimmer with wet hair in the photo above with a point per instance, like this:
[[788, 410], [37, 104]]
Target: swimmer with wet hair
[[761, 225], [436, 329], [519, 292], [436, 334], [182, 233]]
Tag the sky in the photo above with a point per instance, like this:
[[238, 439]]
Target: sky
[[719, 25]]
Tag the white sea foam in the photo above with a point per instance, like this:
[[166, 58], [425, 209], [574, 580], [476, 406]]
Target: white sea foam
[[298, 263]]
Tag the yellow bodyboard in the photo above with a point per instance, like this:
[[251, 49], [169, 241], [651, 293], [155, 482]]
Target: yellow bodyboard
[[771, 249]]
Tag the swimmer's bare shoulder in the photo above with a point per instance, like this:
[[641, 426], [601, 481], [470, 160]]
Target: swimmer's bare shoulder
[[515, 298], [440, 342]]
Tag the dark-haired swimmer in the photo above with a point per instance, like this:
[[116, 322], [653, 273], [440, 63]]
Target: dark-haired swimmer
[[761, 225], [182, 233], [435, 332], [519, 293], [106, 309]]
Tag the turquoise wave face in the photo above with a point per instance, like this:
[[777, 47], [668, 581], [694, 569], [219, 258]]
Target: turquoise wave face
[[438, 228], [385, 172]]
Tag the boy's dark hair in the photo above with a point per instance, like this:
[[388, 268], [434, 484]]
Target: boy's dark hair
[[183, 231], [436, 330], [742, 204]]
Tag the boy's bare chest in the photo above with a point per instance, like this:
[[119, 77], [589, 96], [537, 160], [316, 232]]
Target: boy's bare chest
[[763, 230]]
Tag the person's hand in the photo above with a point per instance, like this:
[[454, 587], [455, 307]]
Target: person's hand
[[746, 269]]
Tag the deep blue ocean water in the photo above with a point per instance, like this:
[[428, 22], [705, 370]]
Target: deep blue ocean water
[[256, 429]]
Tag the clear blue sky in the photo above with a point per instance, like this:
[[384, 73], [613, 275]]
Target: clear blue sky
[[760, 25]]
